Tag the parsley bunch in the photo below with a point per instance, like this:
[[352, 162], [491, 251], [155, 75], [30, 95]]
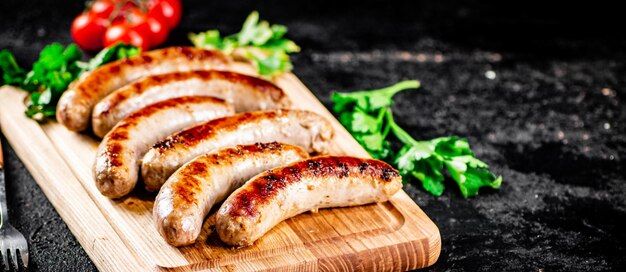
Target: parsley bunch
[[53, 72], [261, 43], [368, 117]]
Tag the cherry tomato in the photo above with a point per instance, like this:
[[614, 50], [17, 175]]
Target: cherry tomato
[[88, 30], [167, 11], [102, 8], [155, 31], [125, 33], [129, 13]]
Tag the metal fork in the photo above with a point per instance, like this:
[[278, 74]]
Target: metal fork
[[11, 240]]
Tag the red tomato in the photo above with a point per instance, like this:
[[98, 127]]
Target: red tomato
[[87, 31], [102, 8], [134, 16], [153, 29], [167, 11], [129, 13], [125, 33]]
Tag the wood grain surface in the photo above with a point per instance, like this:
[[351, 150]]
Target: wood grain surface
[[119, 235]]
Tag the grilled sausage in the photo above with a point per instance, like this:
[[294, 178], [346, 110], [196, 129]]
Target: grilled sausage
[[297, 127], [117, 160], [278, 194], [247, 93], [75, 106], [188, 195]]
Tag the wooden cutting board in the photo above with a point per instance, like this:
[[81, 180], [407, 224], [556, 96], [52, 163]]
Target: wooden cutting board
[[119, 235]]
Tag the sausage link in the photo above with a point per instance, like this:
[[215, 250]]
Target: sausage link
[[281, 193]]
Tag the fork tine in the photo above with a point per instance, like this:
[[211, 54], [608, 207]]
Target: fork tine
[[13, 258], [5, 261], [24, 256]]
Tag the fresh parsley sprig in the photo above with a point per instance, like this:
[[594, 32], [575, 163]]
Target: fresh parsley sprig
[[369, 118], [53, 72], [10, 72], [259, 42], [363, 113], [425, 161]]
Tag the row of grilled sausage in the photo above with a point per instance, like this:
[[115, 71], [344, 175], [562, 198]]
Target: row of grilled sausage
[[201, 135]]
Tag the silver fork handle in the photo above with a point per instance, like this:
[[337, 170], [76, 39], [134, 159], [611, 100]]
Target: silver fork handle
[[3, 193]]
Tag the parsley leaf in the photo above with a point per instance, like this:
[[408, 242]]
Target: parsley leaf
[[53, 72], [10, 72], [259, 42], [368, 117], [371, 100], [363, 114], [425, 161], [55, 69], [115, 52]]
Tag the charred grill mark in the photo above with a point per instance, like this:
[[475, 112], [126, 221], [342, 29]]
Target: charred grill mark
[[113, 152], [344, 171], [245, 206], [267, 186], [189, 180], [156, 79], [146, 59], [186, 52], [187, 189], [192, 53], [313, 166], [114, 69], [294, 172], [273, 146], [195, 168], [389, 173], [118, 135], [363, 167]]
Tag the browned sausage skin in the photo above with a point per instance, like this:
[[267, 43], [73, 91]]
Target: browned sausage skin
[[117, 159], [76, 104], [188, 195], [246, 93], [321, 182], [297, 127]]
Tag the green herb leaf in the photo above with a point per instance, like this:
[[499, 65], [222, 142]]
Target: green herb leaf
[[210, 39], [261, 43], [115, 52], [454, 153], [368, 117], [274, 63], [53, 72], [371, 100], [428, 172], [10, 72]]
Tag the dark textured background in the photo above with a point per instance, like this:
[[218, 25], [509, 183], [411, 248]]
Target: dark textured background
[[551, 122]]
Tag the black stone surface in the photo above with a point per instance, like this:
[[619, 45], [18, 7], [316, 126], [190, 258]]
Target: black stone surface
[[551, 121]]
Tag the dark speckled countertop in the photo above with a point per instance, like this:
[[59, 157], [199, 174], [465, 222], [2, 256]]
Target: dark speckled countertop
[[538, 90]]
